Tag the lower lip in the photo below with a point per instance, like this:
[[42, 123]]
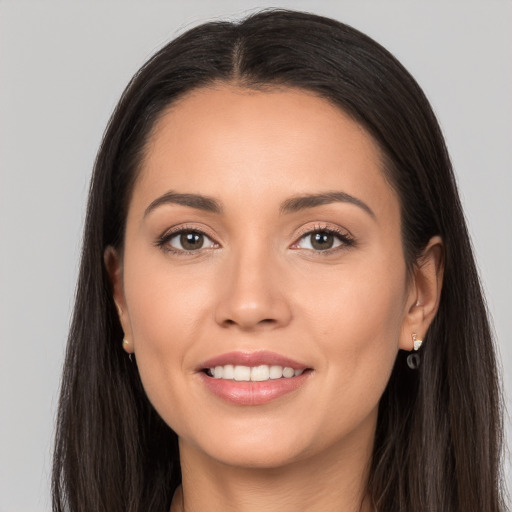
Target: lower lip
[[253, 393]]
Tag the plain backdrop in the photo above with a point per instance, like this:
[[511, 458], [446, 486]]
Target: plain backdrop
[[63, 66]]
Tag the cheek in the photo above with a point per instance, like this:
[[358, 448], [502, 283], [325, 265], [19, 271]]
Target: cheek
[[164, 302], [167, 310], [357, 319]]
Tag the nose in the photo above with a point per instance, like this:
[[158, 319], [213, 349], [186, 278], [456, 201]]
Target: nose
[[253, 293]]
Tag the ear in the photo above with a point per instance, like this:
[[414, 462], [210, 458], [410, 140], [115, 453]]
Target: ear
[[424, 293], [113, 264]]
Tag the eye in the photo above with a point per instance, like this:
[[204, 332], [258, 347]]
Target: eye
[[186, 240], [323, 240]]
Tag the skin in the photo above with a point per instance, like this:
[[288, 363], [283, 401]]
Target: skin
[[258, 284]]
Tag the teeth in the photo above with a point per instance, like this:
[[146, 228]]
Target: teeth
[[242, 373], [228, 372], [260, 373], [288, 372], [276, 372], [253, 373]]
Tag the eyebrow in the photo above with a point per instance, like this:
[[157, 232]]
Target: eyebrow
[[295, 204], [200, 202]]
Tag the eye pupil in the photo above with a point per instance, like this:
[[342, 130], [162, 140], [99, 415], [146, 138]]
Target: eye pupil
[[322, 240], [191, 241]]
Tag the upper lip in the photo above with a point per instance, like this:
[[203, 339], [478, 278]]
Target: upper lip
[[252, 359]]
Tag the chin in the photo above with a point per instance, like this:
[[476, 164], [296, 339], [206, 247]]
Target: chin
[[264, 446], [245, 455]]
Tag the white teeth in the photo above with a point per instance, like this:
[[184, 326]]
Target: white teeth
[[228, 372], [259, 373], [242, 373], [288, 372], [276, 372]]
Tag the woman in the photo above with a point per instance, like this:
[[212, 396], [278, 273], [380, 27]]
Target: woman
[[275, 239]]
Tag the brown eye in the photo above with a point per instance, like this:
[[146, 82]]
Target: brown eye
[[322, 241], [191, 241], [187, 241]]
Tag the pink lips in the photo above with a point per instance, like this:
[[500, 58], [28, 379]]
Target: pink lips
[[251, 359], [252, 393]]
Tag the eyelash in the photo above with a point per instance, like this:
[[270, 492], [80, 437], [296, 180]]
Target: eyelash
[[345, 239], [163, 241]]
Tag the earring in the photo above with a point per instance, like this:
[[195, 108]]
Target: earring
[[416, 343], [413, 359], [125, 344]]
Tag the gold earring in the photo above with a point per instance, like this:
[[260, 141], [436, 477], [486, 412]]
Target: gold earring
[[125, 344]]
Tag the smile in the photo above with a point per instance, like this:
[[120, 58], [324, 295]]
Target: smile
[[252, 378], [259, 373]]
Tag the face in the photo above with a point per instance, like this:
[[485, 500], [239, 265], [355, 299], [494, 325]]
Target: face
[[263, 242]]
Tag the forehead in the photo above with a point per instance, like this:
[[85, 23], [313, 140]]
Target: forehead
[[230, 141]]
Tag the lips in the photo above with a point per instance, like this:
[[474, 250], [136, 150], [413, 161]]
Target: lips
[[252, 378], [252, 359]]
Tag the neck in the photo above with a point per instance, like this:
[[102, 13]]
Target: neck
[[329, 482]]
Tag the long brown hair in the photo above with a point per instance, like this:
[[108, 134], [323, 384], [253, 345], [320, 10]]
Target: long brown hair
[[438, 439]]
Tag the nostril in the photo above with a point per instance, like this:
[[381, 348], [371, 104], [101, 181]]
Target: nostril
[[266, 321]]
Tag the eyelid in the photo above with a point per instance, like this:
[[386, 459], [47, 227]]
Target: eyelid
[[323, 226], [168, 234], [346, 238]]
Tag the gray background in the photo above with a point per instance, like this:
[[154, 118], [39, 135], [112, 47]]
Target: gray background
[[62, 68]]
